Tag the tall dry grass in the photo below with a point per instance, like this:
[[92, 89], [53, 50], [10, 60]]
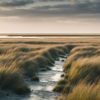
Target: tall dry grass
[[82, 65], [83, 92], [34, 56], [12, 79], [29, 60]]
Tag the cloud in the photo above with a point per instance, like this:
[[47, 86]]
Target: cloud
[[7, 3], [36, 8]]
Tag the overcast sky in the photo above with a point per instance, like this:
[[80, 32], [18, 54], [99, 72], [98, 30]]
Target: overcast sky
[[49, 16]]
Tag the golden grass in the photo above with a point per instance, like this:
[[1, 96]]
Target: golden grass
[[83, 92], [81, 52], [11, 78], [85, 68], [30, 58], [82, 65], [34, 55]]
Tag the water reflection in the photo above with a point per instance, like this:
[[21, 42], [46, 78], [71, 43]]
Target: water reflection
[[42, 90]]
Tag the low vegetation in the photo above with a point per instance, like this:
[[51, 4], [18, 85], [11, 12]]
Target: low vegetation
[[83, 92], [11, 79], [24, 61], [82, 74]]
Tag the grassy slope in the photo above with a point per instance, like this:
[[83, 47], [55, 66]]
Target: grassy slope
[[23, 58], [21, 61], [82, 74]]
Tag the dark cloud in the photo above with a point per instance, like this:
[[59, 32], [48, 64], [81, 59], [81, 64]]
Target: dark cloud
[[12, 3], [47, 10]]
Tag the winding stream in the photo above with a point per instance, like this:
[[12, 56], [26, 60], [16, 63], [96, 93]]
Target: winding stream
[[42, 90]]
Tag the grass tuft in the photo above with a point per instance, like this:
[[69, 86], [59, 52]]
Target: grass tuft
[[11, 79], [85, 92]]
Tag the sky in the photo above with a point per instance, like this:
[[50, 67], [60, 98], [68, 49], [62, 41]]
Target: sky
[[50, 16]]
